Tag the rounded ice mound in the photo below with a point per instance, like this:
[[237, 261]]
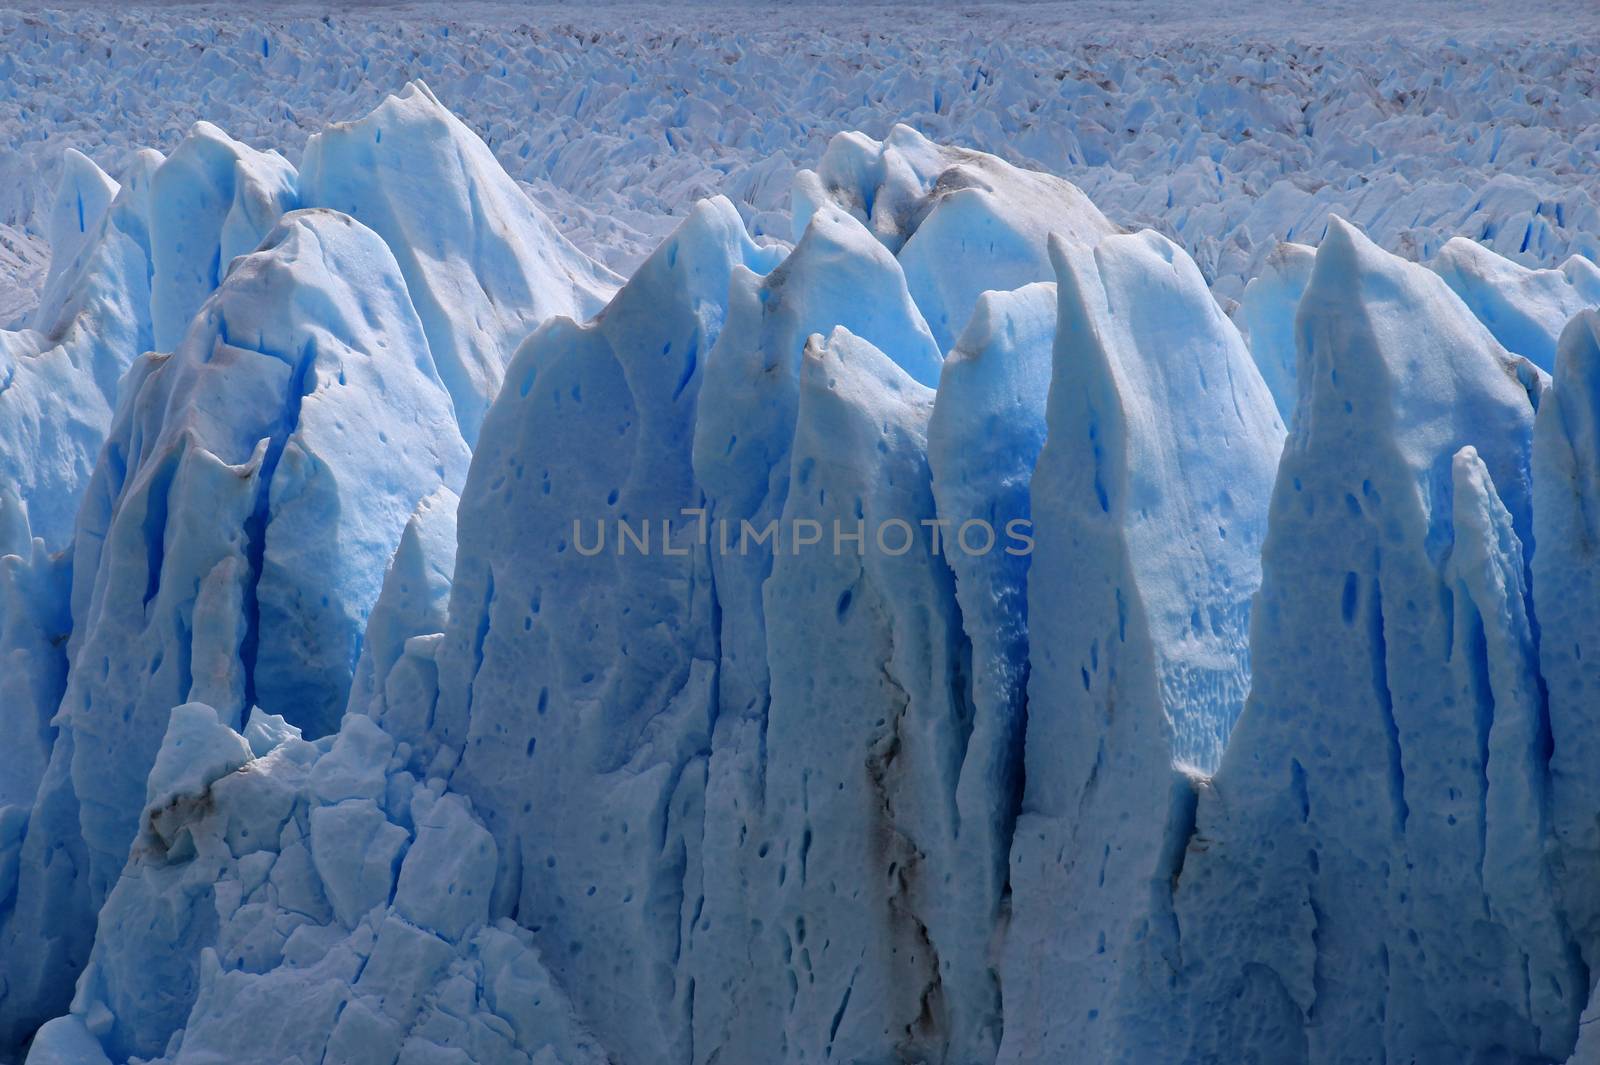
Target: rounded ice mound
[[960, 221], [1525, 309]]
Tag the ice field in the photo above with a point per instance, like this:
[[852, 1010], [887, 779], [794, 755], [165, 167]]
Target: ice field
[[739, 535], [1227, 131]]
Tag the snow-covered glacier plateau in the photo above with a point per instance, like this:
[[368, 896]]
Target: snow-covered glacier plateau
[[770, 536]]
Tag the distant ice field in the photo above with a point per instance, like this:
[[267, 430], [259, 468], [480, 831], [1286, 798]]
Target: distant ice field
[[1229, 131]]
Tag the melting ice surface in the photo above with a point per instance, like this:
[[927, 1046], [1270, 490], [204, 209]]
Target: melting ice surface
[[327, 735]]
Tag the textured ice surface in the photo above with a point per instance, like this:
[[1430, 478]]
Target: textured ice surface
[[419, 645], [960, 222], [1229, 127], [1150, 504], [318, 897], [482, 264], [589, 779], [1376, 787], [235, 533]]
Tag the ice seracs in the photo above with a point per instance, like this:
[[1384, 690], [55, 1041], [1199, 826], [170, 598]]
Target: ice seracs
[[35, 620], [984, 436], [578, 673], [211, 200], [318, 895], [1265, 316], [829, 652], [413, 605], [1524, 309], [837, 275], [82, 196], [890, 963], [235, 534], [59, 376], [1149, 503], [1566, 579], [1380, 783], [484, 266], [960, 222]]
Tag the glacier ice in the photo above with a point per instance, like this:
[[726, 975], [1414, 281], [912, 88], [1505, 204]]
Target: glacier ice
[[1564, 573], [1266, 318], [1150, 503], [235, 528], [984, 436], [59, 375], [589, 780], [1374, 780], [233, 537], [960, 222], [480, 282], [978, 630], [1229, 128], [332, 914], [210, 200], [1524, 309], [412, 604]]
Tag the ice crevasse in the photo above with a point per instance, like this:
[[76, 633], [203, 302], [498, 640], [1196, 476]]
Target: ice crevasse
[[410, 653]]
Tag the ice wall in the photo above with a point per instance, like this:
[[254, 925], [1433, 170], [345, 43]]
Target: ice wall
[[235, 517], [1150, 504], [1367, 877], [922, 643]]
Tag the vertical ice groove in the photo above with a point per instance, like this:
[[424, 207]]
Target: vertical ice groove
[[81, 200], [1487, 563], [984, 436], [1566, 582], [338, 385], [1406, 480], [1149, 503], [584, 730]]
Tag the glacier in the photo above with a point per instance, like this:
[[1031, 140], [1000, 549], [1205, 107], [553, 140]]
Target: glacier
[[977, 614]]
